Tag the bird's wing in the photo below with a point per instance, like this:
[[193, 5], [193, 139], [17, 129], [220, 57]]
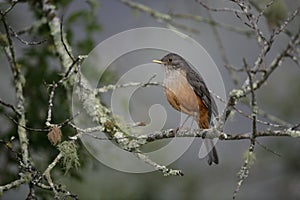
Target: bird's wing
[[201, 90]]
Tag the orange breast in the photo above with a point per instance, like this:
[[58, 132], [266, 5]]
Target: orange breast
[[182, 97], [180, 94]]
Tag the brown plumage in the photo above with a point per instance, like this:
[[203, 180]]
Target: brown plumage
[[187, 92]]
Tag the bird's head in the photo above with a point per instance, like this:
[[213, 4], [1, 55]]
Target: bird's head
[[172, 61]]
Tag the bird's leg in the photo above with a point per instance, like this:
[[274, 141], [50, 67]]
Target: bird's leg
[[181, 126]]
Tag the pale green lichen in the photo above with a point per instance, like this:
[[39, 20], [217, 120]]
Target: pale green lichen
[[27, 177], [102, 120], [3, 40], [293, 133], [237, 93], [249, 157], [70, 157], [231, 115]]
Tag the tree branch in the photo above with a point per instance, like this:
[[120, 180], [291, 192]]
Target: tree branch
[[19, 82], [92, 105]]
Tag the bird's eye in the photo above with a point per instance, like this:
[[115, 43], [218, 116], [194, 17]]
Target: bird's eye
[[170, 59]]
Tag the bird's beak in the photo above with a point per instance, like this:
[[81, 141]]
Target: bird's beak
[[158, 61]]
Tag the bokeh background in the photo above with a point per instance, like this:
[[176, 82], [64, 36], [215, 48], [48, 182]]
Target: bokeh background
[[88, 23]]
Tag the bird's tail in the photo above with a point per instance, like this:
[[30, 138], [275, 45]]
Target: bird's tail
[[212, 152], [208, 143]]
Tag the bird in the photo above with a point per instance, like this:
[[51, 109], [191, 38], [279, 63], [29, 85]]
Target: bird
[[187, 92]]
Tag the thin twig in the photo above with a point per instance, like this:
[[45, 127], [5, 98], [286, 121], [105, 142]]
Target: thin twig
[[283, 26], [27, 128], [13, 108], [199, 18], [219, 9], [106, 88], [12, 5], [24, 41], [223, 53], [62, 37], [12, 184], [159, 16], [268, 149], [245, 169], [47, 174], [253, 103], [166, 171], [68, 73]]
